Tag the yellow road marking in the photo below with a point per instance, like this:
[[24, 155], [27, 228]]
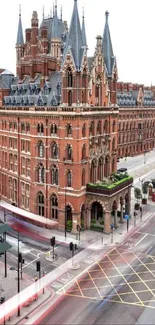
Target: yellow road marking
[[94, 284], [140, 277], [79, 287], [110, 282], [130, 286]]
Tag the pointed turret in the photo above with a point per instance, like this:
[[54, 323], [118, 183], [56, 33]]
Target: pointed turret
[[74, 41], [107, 49], [84, 39], [20, 38], [55, 24]]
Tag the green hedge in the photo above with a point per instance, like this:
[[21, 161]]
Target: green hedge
[[96, 227], [111, 186], [69, 225]]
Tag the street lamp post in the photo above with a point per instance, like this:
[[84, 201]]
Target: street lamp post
[[65, 216], [18, 276], [141, 211], [135, 214], [144, 157], [112, 233]]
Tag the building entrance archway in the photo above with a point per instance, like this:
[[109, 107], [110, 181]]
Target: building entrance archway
[[97, 212]]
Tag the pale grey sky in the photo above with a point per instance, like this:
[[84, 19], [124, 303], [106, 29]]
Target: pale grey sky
[[132, 26]]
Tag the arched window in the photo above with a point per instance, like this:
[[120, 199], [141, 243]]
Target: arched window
[[54, 207], [99, 127], [54, 129], [27, 127], [54, 150], [91, 128], [40, 149], [105, 126], [54, 175], [84, 130], [69, 78], [41, 173], [40, 204], [83, 151], [69, 130], [40, 128], [69, 178], [93, 172], [113, 144], [83, 177], [100, 169], [15, 126], [70, 98], [69, 152], [114, 126], [22, 127]]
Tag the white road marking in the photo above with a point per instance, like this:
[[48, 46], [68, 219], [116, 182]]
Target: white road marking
[[141, 240], [149, 249], [30, 262]]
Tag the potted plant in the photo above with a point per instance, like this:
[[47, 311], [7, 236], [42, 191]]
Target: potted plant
[[137, 192], [144, 191]]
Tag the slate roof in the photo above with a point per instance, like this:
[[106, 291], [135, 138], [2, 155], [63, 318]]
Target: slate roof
[[20, 38], [55, 27], [84, 38], [29, 93], [129, 99], [74, 41], [107, 49]]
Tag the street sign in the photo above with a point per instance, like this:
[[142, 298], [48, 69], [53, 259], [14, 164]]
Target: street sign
[[126, 217]]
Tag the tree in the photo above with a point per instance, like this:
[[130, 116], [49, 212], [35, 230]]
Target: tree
[[138, 195], [137, 192]]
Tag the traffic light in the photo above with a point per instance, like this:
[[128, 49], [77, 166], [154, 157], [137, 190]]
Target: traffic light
[[38, 266], [71, 246], [20, 257], [52, 241]]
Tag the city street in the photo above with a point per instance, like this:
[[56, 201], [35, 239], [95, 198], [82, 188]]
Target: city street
[[117, 289]]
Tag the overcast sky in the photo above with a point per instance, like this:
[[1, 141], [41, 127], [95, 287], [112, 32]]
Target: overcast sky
[[132, 26]]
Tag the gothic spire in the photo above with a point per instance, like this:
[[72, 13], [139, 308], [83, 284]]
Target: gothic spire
[[74, 40], [84, 39], [20, 39], [107, 49], [61, 14], [55, 23]]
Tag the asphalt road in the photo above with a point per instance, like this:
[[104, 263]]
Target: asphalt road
[[119, 289]]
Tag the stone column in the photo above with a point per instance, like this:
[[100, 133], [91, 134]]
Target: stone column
[[115, 219], [121, 204], [121, 219], [75, 219], [107, 222], [88, 218]]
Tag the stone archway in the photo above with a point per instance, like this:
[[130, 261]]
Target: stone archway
[[114, 213], [97, 212]]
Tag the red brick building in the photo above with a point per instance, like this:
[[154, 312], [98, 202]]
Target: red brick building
[[136, 128], [59, 120]]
